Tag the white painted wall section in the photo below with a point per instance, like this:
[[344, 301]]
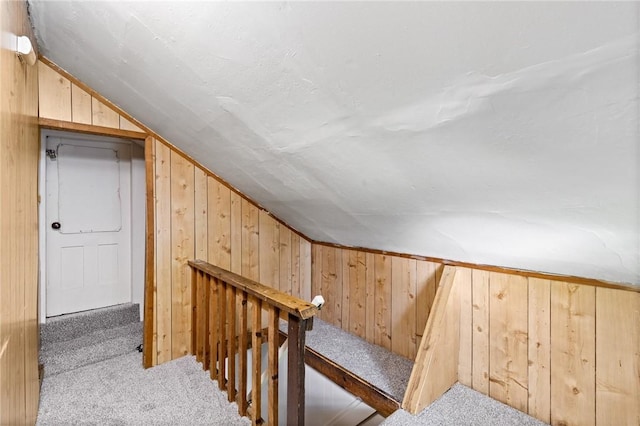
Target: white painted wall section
[[503, 133]]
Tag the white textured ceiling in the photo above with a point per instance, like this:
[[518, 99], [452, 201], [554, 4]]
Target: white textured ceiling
[[498, 133]]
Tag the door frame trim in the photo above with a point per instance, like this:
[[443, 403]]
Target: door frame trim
[[42, 207]]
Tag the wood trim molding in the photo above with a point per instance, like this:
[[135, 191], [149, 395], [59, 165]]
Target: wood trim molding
[[492, 268], [48, 123], [150, 244]]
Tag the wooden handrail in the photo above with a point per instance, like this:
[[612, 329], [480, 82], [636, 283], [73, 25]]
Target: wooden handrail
[[221, 327], [284, 302]]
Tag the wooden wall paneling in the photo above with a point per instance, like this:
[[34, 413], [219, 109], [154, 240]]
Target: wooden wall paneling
[[19, 155], [54, 94], [250, 241], [102, 115], [358, 293], [425, 292], [182, 250], [465, 358], [28, 167], [128, 125], [316, 276], [163, 252], [480, 355], [572, 354], [370, 289], [149, 355], [296, 272], [540, 349], [80, 105], [201, 208], [286, 261], [382, 272], [344, 270], [617, 337], [236, 233], [331, 284], [403, 306], [436, 366], [305, 270], [508, 361], [269, 250], [219, 223], [30, 142]]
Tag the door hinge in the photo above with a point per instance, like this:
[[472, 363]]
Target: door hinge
[[51, 153]]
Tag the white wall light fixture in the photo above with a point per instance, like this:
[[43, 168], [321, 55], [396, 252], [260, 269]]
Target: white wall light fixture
[[25, 51]]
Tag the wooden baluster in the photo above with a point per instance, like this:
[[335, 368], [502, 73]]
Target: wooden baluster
[[213, 325], [272, 363], [222, 325], [231, 337], [256, 349], [201, 316], [295, 371], [206, 293], [242, 354], [194, 309]]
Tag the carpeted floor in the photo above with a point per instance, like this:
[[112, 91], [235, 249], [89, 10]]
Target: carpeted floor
[[119, 391], [93, 375], [385, 370], [464, 406]]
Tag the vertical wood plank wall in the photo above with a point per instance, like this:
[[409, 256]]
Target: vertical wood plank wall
[[64, 100], [19, 153], [382, 298], [192, 208], [195, 216], [565, 353]]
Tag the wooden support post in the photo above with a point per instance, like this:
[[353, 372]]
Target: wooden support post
[[295, 376]]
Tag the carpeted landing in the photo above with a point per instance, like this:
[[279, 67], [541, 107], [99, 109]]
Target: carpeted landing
[[461, 405], [374, 364], [93, 375]]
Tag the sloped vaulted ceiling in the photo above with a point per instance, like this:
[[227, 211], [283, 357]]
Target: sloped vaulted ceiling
[[499, 133]]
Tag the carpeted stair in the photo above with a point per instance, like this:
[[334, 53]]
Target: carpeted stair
[[72, 341], [93, 375]]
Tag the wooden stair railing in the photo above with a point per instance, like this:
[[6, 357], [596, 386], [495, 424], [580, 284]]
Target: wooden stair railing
[[220, 328]]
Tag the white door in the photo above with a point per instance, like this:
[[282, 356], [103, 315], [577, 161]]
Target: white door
[[88, 222]]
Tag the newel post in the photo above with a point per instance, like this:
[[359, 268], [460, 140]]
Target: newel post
[[295, 372]]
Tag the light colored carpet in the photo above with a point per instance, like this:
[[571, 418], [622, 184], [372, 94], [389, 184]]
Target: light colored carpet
[[464, 406], [73, 326], [119, 391], [380, 367], [96, 346], [94, 376]]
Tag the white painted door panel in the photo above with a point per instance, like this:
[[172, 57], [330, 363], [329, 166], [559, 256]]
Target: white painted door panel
[[88, 193]]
